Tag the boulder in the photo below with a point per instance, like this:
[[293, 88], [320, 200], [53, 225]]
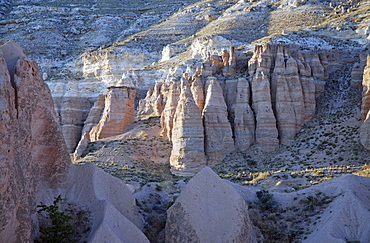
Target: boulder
[[209, 210]]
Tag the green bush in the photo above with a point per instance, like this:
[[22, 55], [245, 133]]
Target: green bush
[[60, 230]]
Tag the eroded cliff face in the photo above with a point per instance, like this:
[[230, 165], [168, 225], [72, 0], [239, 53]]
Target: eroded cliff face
[[36, 165], [33, 152], [264, 106]]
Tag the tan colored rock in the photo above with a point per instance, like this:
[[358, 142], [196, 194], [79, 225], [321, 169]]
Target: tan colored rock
[[72, 114], [153, 103], [119, 113], [317, 69], [229, 59], [244, 124], [259, 68], [217, 128], [198, 92], [170, 108], [287, 93], [209, 210], [92, 120], [308, 87], [32, 149], [187, 156]]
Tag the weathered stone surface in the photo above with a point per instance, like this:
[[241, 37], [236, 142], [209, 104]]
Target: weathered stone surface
[[32, 151], [152, 104], [244, 124], [288, 95], [115, 215], [198, 92], [72, 111], [119, 113], [217, 129], [36, 166], [266, 108], [259, 69], [187, 156], [92, 120], [172, 97], [209, 210]]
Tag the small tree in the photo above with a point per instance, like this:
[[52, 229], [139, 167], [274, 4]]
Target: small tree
[[59, 231]]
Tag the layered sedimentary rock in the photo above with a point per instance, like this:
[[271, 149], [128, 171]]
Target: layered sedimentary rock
[[32, 150], [218, 134], [153, 103], [118, 114], [172, 92], [92, 120], [72, 113], [187, 155], [266, 107], [259, 70], [209, 210], [244, 123]]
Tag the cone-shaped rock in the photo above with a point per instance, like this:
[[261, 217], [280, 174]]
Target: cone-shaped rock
[[187, 156], [209, 210]]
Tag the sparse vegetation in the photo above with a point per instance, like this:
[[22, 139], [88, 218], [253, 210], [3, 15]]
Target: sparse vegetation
[[59, 230]]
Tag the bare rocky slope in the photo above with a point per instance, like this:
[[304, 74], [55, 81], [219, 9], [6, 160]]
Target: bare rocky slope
[[272, 94]]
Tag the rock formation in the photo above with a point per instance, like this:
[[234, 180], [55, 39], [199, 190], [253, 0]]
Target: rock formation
[[218, 135], [244, 124], [209, 210], [36, 166], [91, 121], [187, 155], [118, 113], [115, 216], [172, 94], [259, 69], [265, 108], [33, 152]]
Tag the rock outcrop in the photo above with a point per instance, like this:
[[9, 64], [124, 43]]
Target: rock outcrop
[[118, 114], [244, 123], [32, 149], [36, 166], [209, 210], [91, 121], [187, 155], [265, 107], [115, 216], [217, 130]]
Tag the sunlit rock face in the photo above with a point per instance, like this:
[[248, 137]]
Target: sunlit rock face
[[32, 151], [209, 210], [264, 105]]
